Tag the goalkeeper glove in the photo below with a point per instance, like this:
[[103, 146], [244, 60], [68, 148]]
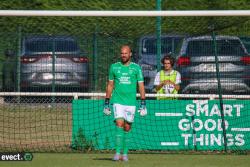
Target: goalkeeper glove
[[142, 109], [106, 109]]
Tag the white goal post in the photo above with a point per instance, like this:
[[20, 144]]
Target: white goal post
[[174, 13]]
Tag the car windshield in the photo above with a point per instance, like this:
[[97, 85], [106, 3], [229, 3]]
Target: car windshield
[[168, 44], [246, 42], [225, 47], [47, 46]]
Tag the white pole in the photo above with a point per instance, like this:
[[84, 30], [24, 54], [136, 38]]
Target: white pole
[[125, 13]]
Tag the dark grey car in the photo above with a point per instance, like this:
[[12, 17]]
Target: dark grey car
[[52, 60], [197, 66], [148, 54]]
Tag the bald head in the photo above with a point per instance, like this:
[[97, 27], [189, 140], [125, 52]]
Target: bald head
[[125, 54], [126, 47]]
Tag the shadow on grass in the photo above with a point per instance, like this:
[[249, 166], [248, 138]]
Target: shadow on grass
[[102, 159]]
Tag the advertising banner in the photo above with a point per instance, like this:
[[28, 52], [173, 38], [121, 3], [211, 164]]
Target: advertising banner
[[169, 125]]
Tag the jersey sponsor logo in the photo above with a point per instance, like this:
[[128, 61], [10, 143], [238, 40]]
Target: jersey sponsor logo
[[125, 80]]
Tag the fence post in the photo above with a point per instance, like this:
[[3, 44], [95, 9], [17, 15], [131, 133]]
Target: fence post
[[95, 59], [18, 58], [53, 67], [219, 89], [158, 32]]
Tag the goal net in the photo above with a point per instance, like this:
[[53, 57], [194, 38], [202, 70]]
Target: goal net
[[54, 70]]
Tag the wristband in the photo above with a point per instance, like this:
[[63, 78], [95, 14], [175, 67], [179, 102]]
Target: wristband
[[107, 101], [143, 102]]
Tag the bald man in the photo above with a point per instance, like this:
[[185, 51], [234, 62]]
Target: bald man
[[124, 76]]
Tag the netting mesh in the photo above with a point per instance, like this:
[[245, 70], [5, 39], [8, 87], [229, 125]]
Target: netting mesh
[[170, 125], [99, 40], [37, 127], [73, 54]]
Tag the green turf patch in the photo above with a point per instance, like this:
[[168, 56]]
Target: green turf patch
[[136, 160]]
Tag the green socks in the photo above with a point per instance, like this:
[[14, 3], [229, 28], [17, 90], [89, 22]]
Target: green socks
[[122, 140], [126, 141], [119, 139]]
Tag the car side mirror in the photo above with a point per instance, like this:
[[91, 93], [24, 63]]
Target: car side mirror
[[9, 53]]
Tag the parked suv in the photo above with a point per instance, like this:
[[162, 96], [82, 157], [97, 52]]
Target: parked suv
[[37, 72], [197, 66], [148, 55]]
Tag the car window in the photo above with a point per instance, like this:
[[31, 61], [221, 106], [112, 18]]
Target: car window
[[167, 45], [246, 42], [38, 46], [66, 46], [206, 48], [47, 46]]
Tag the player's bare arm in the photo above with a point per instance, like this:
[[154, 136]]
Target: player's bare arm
[[142, 90], [109, 89]]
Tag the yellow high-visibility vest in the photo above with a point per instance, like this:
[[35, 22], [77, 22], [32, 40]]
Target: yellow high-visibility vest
[[172, 78]]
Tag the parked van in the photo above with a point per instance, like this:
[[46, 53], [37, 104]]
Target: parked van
[[147, 55]]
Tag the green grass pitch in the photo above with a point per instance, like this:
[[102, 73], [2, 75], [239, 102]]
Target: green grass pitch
[[136, 160]]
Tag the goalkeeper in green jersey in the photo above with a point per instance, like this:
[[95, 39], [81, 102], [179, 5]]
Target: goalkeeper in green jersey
[[123, 79]]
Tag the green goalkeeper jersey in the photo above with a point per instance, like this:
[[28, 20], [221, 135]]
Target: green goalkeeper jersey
[[125, 82]]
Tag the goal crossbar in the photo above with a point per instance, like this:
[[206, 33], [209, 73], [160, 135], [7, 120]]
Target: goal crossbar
[[124, 13]]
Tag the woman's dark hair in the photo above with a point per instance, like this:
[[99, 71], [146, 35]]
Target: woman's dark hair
[[168, 57]]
